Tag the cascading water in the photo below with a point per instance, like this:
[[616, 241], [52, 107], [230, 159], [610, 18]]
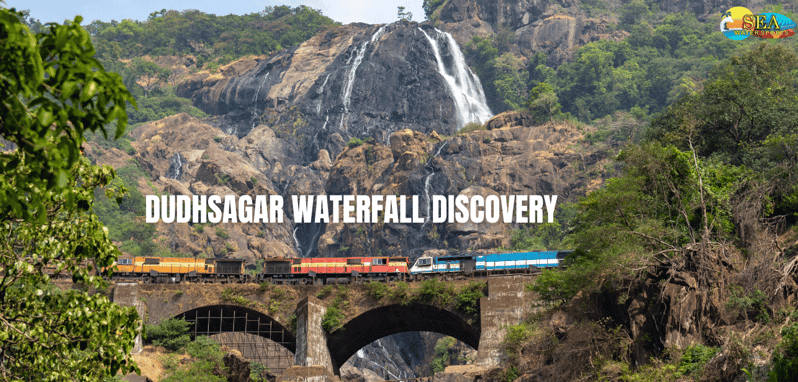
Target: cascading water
[[320, 91], [175, 167], [469, 99], [296, 241], [255, 116], [350, 74]]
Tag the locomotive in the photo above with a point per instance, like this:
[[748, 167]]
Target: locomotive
[[330, 270]]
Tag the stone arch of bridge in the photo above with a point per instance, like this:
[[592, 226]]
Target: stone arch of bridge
[[217, 319], [392, 319]]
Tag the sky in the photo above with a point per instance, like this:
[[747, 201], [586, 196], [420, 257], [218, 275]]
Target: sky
[[345, 11]]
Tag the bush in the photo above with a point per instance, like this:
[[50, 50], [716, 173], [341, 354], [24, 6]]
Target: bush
[[441, 358], [468, 298], [694, 358], [401, 293], [436, 291], [222, 233], [515, 336], [785, 358], [171, 334], [469, 127], [332, 319], [754, 304], [355, 142], [208, 358], [377, 290], [324, 292]]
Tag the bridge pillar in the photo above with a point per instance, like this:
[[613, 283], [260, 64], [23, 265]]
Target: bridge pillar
[[127, 294], [311, 340], [506, 304]]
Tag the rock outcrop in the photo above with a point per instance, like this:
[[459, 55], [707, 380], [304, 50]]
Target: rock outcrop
[[556, 28], [357, 80]]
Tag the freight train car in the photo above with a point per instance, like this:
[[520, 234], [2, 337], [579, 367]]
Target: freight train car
[[177, 269]]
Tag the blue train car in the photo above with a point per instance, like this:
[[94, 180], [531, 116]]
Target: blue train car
[[492, 262], [519, 260]]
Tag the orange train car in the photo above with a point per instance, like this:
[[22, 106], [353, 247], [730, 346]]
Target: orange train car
[[335, 270], [177, 269]]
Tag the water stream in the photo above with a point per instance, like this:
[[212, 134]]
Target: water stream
[[463, 85]]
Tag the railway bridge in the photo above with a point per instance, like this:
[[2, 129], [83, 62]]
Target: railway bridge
[[286, 321]]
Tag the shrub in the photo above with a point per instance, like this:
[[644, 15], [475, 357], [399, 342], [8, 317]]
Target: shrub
[[208, 358], [401, 293], [217, 138], [436, 291], [469, 127], [171, 334], [442, 354], [515, 336], [332, 319], [377, 290], [468, 298], [785, 357], [324, 292], [694, 358], [222, 233], [753, 304], [355, 142], [234, 295]]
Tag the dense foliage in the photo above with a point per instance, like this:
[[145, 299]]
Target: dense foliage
[[52, 92], [652, 68], [691, 181], [207, 36]]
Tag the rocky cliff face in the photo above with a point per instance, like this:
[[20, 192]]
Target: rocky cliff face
[[556, 28], [354, 81]]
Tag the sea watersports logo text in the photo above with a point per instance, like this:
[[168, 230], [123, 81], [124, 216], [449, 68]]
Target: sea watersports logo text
[[739, 23]]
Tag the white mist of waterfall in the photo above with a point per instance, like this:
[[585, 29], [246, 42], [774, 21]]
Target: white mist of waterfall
[[255, 99], [321, 94], [440, 148], [178, 163], [469, 99], [296, 241], [426, 195], [350, 74]]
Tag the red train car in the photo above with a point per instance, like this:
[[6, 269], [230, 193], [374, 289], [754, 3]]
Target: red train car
[[335, 270]]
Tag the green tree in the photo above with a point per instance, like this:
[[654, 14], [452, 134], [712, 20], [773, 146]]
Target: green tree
[[52, 91], [543, 103], [148, 74], [404, 15], [430, 6]]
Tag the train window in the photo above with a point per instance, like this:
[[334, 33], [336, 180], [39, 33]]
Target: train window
[[352, 261], [297, 261], [125, 262], [378, 262], [424, 261], [210, 261], [398, 259], [152, 261]]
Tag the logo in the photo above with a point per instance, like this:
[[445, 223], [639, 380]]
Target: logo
[[739, 23]]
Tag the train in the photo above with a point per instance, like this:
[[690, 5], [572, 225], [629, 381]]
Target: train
[[330, 270]]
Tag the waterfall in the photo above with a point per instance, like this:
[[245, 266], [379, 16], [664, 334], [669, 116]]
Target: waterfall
[[175, 166], [350, 74], [464, 86], [440, 148], [255, 99], [321, 95], [256, 117], [296, 241], [426, 195]]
